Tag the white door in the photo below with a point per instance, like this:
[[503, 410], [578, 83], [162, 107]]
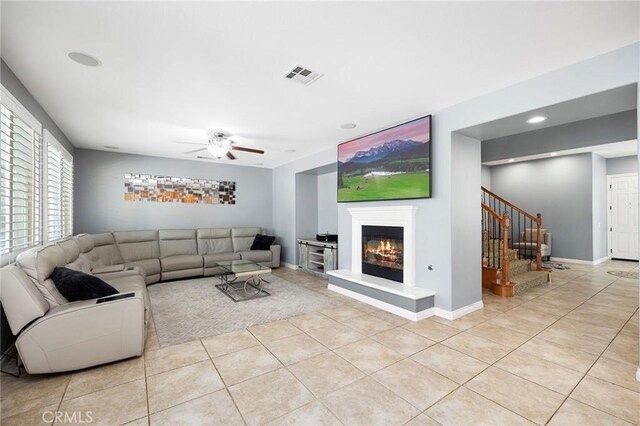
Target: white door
[[623, 216]]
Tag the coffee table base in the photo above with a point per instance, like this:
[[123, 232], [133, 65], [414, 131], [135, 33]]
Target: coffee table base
[[240, 291]]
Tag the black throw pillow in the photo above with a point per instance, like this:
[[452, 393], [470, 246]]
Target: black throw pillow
[[76, 285], [262, 242]]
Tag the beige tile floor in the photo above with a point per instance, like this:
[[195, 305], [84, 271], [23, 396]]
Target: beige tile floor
[[565, 353]]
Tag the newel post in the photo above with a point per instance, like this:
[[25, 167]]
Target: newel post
[[538, 243], [506, 269]]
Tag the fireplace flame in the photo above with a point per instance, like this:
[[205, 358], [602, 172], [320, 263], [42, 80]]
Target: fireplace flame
[[385, 251]]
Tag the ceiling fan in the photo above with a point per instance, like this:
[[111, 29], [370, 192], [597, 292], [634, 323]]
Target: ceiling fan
[[219, 146]]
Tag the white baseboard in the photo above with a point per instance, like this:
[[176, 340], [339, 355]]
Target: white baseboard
[[404, 313], [452, 315], [578, 261], [288, 265], [638, 374]]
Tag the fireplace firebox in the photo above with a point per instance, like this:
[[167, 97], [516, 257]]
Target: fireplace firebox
[[382, 251]]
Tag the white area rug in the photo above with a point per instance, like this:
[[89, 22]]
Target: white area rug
[[191, 309]]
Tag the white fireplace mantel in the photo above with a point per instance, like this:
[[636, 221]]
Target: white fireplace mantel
[[404, 216]]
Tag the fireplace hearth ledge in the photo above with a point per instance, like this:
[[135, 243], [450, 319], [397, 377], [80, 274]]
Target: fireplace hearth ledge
[[410, 302]]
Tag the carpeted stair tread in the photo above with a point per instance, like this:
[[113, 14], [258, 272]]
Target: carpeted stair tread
[[529, 280], [519, 266]]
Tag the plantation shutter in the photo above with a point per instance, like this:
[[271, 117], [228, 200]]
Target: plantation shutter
[[20, 152], [59, 172]]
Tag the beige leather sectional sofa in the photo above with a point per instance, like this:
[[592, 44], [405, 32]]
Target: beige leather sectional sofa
[[55, 335]]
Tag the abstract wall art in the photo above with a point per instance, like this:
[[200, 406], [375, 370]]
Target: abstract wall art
[[170, 189]]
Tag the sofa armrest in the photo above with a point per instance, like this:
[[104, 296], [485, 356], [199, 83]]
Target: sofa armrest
[[275, 256], [129, 270], [83, 334], [106, 269], [547, 239]]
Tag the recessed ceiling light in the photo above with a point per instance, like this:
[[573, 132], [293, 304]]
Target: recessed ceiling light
[[84, 59], [348, 126], [111, 147], [553, 154], [536, 119], [511, 160], [289, 150]]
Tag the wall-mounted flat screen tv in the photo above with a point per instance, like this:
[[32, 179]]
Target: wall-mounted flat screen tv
[[391, 164]]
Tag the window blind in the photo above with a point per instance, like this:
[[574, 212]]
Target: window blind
[[20, 153], [59, 172]]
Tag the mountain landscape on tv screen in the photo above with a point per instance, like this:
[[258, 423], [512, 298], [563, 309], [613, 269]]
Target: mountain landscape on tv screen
[[392, 170], [382, 151]]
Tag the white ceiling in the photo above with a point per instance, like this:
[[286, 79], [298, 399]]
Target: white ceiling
[[609, 150], [172, 71]]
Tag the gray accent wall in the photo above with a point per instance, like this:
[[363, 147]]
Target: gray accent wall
[[561, 189], [99, 194], [306, 205], [618, 127], [485, 176], [622, 165], [466, 236], [13, 84], [599, 205], [328, 203]]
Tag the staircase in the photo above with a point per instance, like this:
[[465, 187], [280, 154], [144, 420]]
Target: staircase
[[507, 271]]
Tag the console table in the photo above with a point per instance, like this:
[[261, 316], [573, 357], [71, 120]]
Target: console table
[[317, 257]]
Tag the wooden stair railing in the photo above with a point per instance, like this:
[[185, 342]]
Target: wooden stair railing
[[520, 222], [502, 258]]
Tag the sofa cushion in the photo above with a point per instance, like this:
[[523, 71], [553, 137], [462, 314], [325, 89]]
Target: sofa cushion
[[262, 242], [76, 285], [21, 300], [86, 243], [71, 248], [214, 240], [177, 242], [256, 255], [38, 263], [104, 251], [138, 245], [73, 258], [148, 267], [243, 238], [181, 262], [531, 234], [211, 260]]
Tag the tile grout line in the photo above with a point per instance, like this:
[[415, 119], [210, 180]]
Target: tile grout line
[[587, 373]]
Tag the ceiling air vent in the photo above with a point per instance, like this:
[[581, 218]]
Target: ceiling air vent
[[302, 75]]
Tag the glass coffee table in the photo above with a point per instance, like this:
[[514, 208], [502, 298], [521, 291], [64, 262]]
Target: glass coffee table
[[242, 279]]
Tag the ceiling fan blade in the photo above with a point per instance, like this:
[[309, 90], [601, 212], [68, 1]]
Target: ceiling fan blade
[[195, 150], [230, 156], [239, 148], [206, 158], [192, 143]]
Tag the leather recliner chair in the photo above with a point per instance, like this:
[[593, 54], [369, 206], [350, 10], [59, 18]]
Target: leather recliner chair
[[55, 335]]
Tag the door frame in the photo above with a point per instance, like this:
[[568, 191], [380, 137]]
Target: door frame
[[610, 206]]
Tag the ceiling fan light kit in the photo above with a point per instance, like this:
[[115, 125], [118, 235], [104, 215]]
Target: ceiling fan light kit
[[220, 146]]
